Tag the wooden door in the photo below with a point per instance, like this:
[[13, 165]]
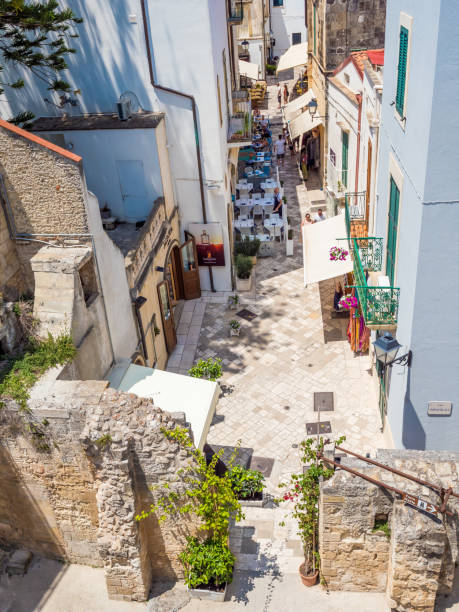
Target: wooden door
[[190, 270], [369, 161], [167, 315]]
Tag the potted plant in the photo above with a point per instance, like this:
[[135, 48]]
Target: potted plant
[[207, 560], [248, 247], [244, 267], [338, 254], [289, 243], [233, 301], [303, 490], [235, 327], [209, 369], [247, 484]]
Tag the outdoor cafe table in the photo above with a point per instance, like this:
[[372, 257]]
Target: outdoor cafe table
[[243, 223], [269, 185], [273, 222], [244, 186], [259, 174]]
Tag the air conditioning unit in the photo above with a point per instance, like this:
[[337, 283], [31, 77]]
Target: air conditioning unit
[[124, 110]]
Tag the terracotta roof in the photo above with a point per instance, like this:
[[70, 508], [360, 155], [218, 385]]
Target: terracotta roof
[[375, 56], [97, 122], [40, 141]]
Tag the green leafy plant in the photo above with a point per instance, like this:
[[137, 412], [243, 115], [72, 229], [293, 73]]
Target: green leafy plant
[[271, 69], [284, 199], [290, 234], [104, 441], [208, 561], [34, 35], [303, 490], [246, 483], [233, 299], [210, 369], [244, 266], [208, 496], [234, 324], [156, 330], [247, 247], [382, 525], [23, 370]]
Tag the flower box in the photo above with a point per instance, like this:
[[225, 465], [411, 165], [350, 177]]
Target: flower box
[[289, 248], [257, 501], [244, 284]]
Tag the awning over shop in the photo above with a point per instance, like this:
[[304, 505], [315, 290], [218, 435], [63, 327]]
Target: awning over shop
[[303, 123], [171, 392], [293, 109], [248, 69], [318, 239], [297, 55]]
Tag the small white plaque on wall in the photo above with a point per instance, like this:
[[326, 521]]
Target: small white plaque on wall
[[439, 408]]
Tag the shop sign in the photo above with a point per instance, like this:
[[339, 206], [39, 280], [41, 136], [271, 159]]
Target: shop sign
[[421, 504], [439, 408], [209, 243]]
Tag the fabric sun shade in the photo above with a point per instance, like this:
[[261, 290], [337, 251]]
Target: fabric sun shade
[[297, 55], [318, 239], [248, 69], [293, 109], [303, 123]]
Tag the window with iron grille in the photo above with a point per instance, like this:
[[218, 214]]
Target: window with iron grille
[[296, 38]]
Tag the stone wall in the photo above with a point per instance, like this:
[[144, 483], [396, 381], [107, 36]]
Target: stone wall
[[11, 281], [77, 501], [45, 189], [416, 565]]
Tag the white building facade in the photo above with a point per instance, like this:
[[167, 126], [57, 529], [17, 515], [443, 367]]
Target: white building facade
[[288, 24], [418, 217], [176, 58]]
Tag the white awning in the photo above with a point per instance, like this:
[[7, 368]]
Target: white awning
[[303, 123], [297, 55], [248, 69], [318, 239], [293, 109]]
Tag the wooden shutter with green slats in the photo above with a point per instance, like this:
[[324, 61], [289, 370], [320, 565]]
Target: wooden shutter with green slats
[[345, 157], [394, 201], [401, 74]]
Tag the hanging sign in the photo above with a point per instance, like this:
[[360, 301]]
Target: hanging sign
[[209, 243], [421, 504]]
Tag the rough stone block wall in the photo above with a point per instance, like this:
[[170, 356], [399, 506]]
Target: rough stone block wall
[[352, 24], [417, 565], [11, 282], [78, 501], [45, 190]]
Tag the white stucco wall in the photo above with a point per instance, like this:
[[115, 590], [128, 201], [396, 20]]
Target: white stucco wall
[[425, 152], [285, 20], [115, 287]]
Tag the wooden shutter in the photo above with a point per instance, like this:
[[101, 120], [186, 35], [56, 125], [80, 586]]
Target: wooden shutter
[[394, 200], [401, 75], [345, 156], [315, 17]]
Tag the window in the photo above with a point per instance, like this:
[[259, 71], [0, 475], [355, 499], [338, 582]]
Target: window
[[225, 74], [347, 78], [394, 202], [344, 157], [401, 74], [332, 157], [296, 38], [219, 101], [278, 2]]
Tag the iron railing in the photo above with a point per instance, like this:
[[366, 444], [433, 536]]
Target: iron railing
[[379, 304], [235, 12], [370, 251], [240, 122]]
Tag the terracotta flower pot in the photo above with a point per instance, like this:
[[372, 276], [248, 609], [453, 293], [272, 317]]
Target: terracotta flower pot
[[308, 579]]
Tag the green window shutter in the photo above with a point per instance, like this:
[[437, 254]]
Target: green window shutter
[[401, 75], [394, 202], [344, 157], [315, 18]]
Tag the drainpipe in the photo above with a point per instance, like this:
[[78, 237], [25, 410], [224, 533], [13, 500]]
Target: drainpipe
[[359, 99], [195, 121]]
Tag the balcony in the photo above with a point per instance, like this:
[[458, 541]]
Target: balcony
[[235, 12], [355, 211], [240, 124], [379, 304]]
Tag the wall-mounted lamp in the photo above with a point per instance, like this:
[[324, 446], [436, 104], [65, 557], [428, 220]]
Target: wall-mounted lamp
[[159, 269], [139, 301], [386, 349], [312, 107], [245, 45]]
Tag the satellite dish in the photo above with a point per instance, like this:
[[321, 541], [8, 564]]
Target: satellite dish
[[130, 96]]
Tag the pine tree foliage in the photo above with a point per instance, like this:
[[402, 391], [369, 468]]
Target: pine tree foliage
[[35, 35]]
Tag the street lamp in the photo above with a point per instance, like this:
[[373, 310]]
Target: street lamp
[[245, 45], [312, 107], [386, 349]]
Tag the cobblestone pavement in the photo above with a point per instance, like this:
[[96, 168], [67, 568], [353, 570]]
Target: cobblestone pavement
[[290, 350]]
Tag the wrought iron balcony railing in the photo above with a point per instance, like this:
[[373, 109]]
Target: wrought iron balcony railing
[[355, 213], [235, 12], [370, 251], [379, 304], [240, 123]]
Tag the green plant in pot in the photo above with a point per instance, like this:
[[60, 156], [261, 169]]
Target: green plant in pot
[[303, 490], [207, 560], [247, 247], [247, 484], [244, 266], [209, 369]]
